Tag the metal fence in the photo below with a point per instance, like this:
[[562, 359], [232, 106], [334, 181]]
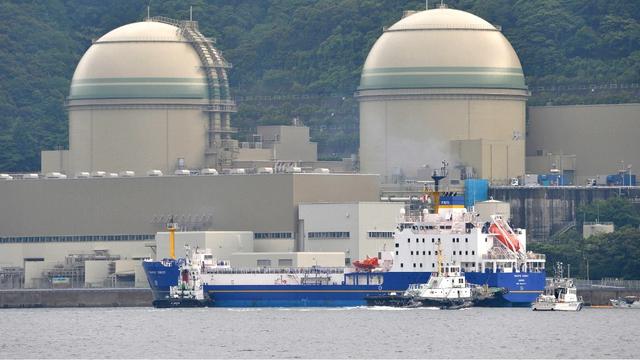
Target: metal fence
[[608, 283]]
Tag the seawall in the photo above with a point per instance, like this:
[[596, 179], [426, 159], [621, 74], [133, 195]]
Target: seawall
[[32, 298]]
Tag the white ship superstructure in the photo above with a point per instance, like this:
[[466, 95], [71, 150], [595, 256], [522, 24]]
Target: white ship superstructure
[[474, 246]]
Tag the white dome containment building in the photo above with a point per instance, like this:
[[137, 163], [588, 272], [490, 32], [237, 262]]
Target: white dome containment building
[[148, 95], [442, 84]]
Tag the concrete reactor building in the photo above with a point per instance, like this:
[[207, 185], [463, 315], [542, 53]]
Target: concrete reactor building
[[148, 95], [442, 84]]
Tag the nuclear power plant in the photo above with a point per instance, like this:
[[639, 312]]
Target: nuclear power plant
[[151, 141], [442, 84]]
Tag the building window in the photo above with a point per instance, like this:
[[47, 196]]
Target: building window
[[423, 240], [473, 252], [347, 261], [424, 252], [396, 252], [466, 252], [433, 265], [329, 235], [380, 234], [408, 240], [401, 265], [466, 240], [433, 240], [414, 264], [412, 252], [420, 264], [264, 262], [272, 235], [397, 245], [429, 252], [285, 262]]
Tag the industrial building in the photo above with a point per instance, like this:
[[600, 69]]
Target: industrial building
[[49, 221], [357, 229], [584, 141], [442, 84]]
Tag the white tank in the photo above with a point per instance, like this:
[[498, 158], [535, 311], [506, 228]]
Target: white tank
[[264, 170], [154, 172], [127, 173], [182, 172], [55, 175], [209, 171], [83, 175]]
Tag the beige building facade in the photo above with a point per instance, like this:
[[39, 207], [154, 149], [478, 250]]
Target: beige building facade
[[588, 140], [357, 229]]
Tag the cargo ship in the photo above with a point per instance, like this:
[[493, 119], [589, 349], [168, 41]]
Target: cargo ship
[[489, 253]]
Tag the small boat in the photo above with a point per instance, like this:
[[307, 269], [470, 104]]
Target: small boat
[[367, 264], [446, 289], [560, 295], [626, 302]]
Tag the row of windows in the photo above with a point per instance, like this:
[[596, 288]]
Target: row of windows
[[73, 238], [433, 240], [329, 235], [433, 265], [435, 252], [281, 262], [425, 227], [381, 234], [273, 235]]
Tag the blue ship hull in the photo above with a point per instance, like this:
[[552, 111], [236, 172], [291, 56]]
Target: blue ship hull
[[523, 289]]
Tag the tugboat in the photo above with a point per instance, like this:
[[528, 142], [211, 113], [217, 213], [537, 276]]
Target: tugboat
[[561, 295], [447, 289], [626, 302]]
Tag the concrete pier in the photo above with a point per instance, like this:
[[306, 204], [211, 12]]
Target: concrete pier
[[32, 298]]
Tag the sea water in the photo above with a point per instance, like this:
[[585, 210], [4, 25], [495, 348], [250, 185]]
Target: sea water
[[377, 332]]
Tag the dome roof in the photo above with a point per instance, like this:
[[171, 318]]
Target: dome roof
[[141, 60], [442, 48], [143, 31]]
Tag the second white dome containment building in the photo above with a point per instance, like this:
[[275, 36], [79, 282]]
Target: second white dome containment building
[[442, 84]]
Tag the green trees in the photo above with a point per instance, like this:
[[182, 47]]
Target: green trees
[[298, 47], [608, 255]]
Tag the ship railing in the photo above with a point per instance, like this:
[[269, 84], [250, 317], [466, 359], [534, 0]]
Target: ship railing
[[534, 256], [265, 270]]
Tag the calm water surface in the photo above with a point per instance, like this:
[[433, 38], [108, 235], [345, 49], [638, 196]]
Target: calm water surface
[[317, 333]]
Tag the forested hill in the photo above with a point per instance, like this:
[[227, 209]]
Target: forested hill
[[302, 57]]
